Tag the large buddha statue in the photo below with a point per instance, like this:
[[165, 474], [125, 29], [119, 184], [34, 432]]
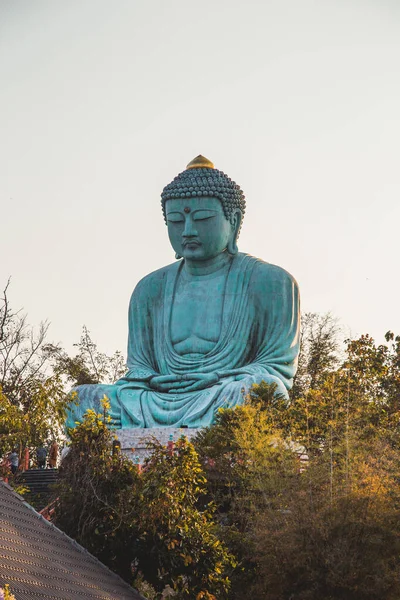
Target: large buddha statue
[[203, 330]]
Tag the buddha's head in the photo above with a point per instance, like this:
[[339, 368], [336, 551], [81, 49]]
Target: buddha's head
[[203, 209]]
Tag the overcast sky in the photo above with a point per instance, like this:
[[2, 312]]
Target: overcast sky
[[102, 103]]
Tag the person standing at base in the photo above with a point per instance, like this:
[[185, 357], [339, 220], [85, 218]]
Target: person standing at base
[[64, 452], [53, 455], [41, 454], [14, 461]]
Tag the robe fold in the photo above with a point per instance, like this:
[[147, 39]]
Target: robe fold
[[259, 341]]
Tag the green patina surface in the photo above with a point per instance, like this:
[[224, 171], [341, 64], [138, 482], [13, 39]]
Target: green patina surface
[[203, 330]]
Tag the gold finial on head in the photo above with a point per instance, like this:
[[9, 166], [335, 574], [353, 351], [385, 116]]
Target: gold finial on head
[[200, 162]]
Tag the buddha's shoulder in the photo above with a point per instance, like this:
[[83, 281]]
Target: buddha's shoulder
[[267, 274], [153, 282]]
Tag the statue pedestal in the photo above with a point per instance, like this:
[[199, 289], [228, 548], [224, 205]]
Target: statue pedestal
[[133, 441]]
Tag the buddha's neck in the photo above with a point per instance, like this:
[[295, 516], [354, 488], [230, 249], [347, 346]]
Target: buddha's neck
[[207, 267]]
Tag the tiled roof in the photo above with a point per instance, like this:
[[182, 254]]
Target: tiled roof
[[40, 561]]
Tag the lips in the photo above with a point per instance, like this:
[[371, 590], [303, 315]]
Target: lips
[[190, 243]]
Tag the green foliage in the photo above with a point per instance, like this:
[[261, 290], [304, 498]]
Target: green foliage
[[34, 420], [251, 469], [180, 537], [320, 351], [145, 588], [147, 522], [89, 365], [339, 534], [35, 376], [5, 593], [245, 453], [32, 399], [327, 527], [95, 492]]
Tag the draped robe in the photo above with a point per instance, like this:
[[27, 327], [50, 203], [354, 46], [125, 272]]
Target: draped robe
[[259, 341]]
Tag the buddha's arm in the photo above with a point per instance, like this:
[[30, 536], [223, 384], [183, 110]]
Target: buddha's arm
[[277, 303], [254, 374], [275, 298], [193, 382], [141, 338], [136, 374]]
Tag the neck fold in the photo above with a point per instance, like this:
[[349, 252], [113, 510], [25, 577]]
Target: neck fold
[[207, 267]]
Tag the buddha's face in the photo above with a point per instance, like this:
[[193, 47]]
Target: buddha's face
[[197, 227]]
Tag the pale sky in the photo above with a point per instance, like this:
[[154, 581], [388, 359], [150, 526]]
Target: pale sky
[[102, 103]]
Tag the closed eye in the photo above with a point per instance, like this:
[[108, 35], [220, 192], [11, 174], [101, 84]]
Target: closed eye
[[202, 215], [175, 218]]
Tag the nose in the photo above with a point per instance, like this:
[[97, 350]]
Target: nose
[[190, 228]]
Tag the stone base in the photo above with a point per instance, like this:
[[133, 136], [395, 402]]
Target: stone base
[[133, 441]]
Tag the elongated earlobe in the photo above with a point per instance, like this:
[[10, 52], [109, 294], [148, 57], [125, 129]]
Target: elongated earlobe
[[232, 247], [235, 223], [177, 256]]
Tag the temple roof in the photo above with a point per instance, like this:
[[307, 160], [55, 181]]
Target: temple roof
[[40, 561]]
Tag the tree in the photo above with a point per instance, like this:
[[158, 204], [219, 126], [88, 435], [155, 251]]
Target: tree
[[36, 420], [178, 536], [251, 470], [23, 353], [32, 397], [96, 490], [338, 537], [89, 365], [328, 527], [148, 521], [36, 375], [320, 351]]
